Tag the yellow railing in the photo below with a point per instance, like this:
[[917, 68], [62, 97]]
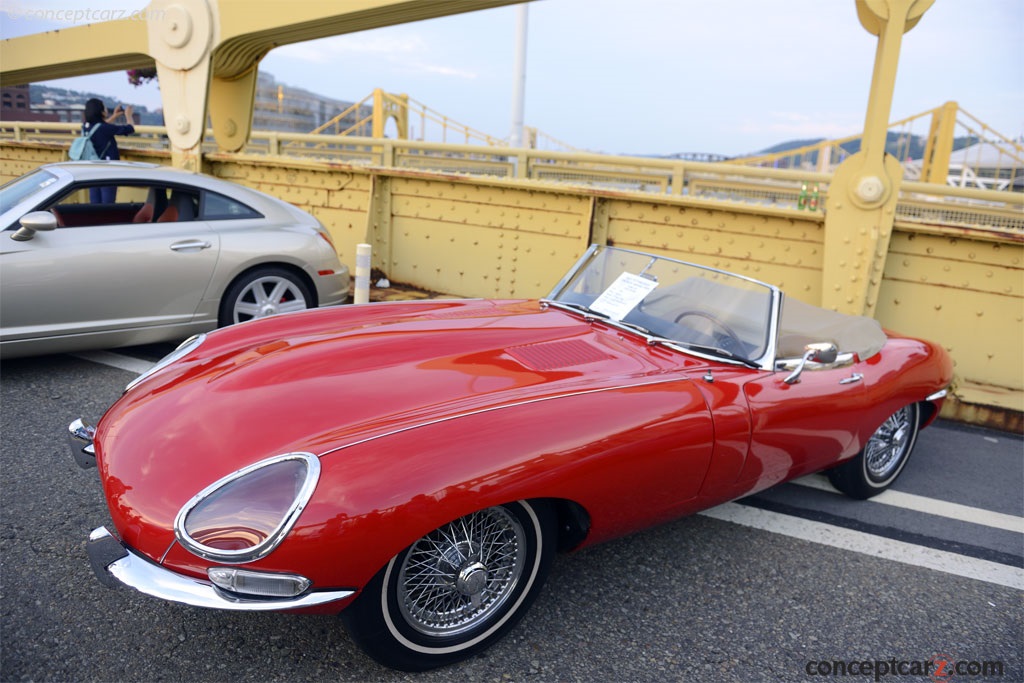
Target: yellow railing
[[942, 206]]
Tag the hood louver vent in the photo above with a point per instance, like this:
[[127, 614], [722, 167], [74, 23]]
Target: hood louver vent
[[554, 355]]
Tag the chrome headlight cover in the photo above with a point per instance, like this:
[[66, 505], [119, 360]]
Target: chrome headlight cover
[[186, 347], [222, 512]]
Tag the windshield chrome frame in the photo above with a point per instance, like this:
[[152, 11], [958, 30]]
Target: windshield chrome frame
[[765, 362]]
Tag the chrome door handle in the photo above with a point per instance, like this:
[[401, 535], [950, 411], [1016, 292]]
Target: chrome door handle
[[855, 377], [190, 245]]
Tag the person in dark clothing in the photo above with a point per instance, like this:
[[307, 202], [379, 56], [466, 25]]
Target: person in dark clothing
[[103, 140]]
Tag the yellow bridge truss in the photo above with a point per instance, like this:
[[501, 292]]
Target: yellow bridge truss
[[370, 117], [987, 159]]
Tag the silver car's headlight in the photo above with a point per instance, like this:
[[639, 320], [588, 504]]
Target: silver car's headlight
[[245, 515], [186, 347]]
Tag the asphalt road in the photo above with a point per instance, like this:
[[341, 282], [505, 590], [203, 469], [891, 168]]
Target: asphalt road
[[700, 599]]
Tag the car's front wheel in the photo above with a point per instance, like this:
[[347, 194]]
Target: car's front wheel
[[885, 454], [263, 292], [457, 590]]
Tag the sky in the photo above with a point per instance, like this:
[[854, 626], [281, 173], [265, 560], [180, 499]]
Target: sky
[[644, 76]]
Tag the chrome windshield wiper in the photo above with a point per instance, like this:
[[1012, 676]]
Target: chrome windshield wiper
[[718, 351], [651, 337], [587, 313]]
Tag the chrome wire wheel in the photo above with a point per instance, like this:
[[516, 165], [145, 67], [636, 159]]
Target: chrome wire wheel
[[888, 446], [883, 457], [457, 589], [456, 577], [268, 296]]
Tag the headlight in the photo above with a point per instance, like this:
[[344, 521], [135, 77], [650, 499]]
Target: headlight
[[245, 515], [186, 347]]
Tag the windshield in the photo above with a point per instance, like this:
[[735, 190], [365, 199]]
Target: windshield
[[696, 308], [19, 189]]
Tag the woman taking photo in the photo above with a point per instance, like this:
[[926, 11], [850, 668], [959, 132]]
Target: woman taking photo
[[103, 139]]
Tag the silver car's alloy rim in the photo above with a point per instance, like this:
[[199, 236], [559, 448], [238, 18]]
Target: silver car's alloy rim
[[456, 577], [888, 445], [268, 296]]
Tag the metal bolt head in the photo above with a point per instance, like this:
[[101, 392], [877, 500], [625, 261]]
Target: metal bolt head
[[870, 188]]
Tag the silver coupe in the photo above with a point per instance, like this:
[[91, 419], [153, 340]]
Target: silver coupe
[[103, 254]]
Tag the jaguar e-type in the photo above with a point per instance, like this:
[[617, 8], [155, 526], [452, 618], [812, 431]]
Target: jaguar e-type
[[416, 465]]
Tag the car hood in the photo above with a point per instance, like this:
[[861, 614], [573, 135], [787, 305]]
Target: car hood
[[320, 380]]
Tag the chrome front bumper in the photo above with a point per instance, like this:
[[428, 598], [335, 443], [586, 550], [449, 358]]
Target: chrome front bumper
[[80, 436], [115, 565]]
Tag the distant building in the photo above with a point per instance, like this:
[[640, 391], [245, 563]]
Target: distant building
[[288, 109], [41, 103], [16, 105]]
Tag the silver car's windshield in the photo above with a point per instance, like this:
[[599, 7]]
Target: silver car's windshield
[[20, 189], [695, 308]]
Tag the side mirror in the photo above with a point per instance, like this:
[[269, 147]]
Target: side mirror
[[814, 353], [821, 353], [31, 223]]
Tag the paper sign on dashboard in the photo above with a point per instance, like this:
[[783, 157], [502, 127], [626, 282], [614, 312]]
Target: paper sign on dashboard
[[623, 295]]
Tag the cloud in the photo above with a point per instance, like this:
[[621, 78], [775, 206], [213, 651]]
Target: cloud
[[403, 53], [800, 125], [329, 50]]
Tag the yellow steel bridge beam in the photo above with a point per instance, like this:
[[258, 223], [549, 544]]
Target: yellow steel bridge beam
[[861, 204], [206, 52]]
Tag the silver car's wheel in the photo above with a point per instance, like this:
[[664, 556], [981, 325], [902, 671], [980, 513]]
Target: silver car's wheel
[[883, 457], [457, 589], [264, 292]]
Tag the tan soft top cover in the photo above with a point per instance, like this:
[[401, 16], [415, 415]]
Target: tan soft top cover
[[804, 324]]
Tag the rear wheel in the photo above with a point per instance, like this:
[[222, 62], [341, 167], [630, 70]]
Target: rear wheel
[[885, 454], [263, 292], [457, 590]]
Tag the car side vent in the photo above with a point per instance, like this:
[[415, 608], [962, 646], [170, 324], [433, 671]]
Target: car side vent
[[559, 354]]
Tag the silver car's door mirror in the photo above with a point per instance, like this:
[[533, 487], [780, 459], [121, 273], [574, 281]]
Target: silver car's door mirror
[[31, 223], [814, 353]]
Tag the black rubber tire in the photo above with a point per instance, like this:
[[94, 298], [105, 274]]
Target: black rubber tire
[[394, 636], [296, 295], [883, 457]]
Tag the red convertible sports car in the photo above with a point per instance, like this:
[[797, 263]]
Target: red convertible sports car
[[415, 465]]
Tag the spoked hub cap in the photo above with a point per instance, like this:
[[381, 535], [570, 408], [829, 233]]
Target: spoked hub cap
[[268, 296], [456, 577], [887, 446]]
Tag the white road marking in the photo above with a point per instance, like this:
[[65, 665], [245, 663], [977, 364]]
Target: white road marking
[[868, 544], [116, 360], [931, 506]]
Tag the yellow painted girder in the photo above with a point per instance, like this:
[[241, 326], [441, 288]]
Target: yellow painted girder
[[75, 51], [244, 31]]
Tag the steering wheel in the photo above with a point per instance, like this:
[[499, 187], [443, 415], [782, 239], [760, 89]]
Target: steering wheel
[[732, 337]]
